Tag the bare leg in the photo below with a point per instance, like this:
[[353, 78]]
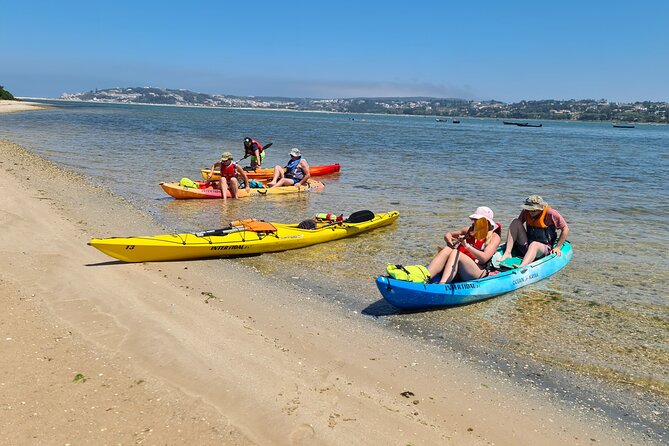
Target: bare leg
[[278, 174], [516, 234], [468, 268], [451, 268], [224, 188], [534, 251], [234, 187], [438, 262]]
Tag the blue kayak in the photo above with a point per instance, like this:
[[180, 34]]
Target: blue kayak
[[411, 295]]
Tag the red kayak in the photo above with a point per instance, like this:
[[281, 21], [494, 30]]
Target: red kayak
[[266, 173]]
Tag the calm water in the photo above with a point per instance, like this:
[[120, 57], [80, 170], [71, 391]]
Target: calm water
[[605, 315]]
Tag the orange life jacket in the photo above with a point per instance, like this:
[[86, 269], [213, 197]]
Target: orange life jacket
[[538, 230], [251, 224]]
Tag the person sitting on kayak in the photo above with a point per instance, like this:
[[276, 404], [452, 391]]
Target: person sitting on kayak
[[538, 237], [469, 250], [295, 173], [254, 149], [229, 172]]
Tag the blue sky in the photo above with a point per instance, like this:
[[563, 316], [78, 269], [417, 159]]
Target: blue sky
[[504, 50]]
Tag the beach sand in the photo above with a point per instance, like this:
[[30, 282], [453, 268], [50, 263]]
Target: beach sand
[[19, 106], [95, 351]]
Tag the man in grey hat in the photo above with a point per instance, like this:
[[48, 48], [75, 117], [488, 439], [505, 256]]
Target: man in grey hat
[[539, 236], [295, 173]]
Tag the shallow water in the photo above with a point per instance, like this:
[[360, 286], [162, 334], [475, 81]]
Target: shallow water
[[604, 315]]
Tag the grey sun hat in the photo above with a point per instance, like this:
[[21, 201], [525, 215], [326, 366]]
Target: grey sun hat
[[295, 152], [534, 203]]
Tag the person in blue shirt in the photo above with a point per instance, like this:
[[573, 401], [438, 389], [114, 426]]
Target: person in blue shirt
[[295, 173]]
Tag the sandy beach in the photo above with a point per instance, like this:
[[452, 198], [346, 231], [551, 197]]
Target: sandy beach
[[19, 106], [209, 352]]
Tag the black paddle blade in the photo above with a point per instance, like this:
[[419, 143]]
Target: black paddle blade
[[360, 216], [267, 146]]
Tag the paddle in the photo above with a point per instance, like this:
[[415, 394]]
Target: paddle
[[356, 217], [360, 217], [221, 231]]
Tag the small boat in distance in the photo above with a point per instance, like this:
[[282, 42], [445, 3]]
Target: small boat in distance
[[441, 120], [522, 124], [455, 121], [623, 126]]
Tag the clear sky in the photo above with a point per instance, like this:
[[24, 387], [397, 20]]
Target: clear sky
[[503, 49]]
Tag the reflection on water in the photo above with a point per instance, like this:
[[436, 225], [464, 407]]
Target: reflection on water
[[605, 313]]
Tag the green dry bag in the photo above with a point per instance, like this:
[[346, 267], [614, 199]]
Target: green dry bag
[[411, 273], [187, 182]]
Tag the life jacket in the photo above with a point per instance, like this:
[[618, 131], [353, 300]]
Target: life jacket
[[252, 149], [293, 171], [538, 231], [251, 224], [476, 243], [228, 171]]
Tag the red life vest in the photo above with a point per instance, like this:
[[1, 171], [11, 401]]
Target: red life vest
[[478, 244], [228, 171], [250, 150]]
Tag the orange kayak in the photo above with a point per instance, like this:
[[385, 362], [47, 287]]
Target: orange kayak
[[266, 173]]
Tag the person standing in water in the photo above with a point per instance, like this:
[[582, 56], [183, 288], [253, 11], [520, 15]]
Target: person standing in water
[[230, 171]]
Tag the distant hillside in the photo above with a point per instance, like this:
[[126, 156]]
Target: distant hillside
[[5, 95], [574, 110]]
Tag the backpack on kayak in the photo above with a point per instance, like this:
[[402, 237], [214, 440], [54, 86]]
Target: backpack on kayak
[[187, 182], [411, 273]]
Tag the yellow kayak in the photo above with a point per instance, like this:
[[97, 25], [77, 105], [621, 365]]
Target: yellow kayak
[[205, 189], [240, 238]]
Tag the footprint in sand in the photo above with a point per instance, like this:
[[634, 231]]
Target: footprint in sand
[[301, 434]]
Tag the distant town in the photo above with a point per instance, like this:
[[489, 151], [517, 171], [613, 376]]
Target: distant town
[[570, 110]]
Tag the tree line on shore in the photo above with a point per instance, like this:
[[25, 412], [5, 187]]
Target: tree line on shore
[[549, 109], [5, 95]]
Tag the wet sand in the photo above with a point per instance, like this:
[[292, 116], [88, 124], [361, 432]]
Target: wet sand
[[209, 352]]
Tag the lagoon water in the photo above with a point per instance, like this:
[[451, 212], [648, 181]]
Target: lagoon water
[[602, 321]]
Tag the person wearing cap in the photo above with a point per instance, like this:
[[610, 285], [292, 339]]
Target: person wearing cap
[[229, 175], [539, 236], [295, 173], [469, 250], [254, 149]]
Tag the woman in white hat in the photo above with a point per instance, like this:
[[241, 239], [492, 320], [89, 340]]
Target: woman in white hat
[[295, 173], [469, 250]]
